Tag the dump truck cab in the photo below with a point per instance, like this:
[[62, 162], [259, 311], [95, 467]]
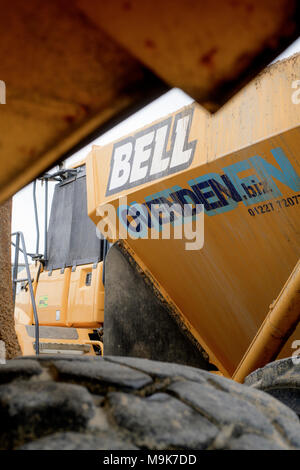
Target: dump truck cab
[[68, 280]]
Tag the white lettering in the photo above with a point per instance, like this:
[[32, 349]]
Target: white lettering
[[180, 156], [2, 92], [121, 165], [141, 155], [159, 164]]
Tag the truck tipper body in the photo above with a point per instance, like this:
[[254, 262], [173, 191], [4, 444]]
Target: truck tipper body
[[232, 283]]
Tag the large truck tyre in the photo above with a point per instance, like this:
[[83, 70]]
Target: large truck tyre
[[62, 402], [281, 379]]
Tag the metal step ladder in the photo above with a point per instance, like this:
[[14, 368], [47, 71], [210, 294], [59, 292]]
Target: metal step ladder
[[19, 245]]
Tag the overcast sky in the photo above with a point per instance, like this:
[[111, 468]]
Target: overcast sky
[[23, 213]]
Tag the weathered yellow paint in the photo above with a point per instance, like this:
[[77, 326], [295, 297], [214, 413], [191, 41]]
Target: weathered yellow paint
[[56, 289], [223, 291], [64, 79], [208, 49], [80, 306], [86, 303]]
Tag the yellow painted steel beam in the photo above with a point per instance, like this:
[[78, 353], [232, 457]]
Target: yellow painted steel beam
[[65, 79], [279, 324], [210, 49]]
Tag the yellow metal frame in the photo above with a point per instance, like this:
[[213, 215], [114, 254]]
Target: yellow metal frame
[[279, 324]]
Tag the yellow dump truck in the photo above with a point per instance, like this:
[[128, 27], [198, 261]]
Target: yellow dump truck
[[201, 217], [242, 167], [67, 286]]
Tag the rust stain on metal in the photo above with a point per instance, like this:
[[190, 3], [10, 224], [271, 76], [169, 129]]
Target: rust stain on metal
[[150, 43], [65, 77], [186, 35], [207, 59]]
